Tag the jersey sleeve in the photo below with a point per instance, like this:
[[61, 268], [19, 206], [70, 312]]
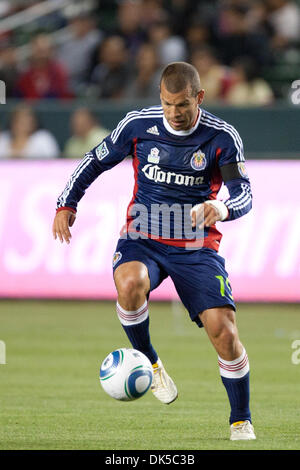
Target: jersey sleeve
[[111, 151], [232, 165], [239, 202]]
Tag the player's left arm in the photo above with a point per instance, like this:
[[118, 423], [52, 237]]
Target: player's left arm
[[231, 163], [237, 182], [238, 204]]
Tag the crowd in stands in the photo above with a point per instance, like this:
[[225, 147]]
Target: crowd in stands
[[25, 139], [246, 52], [25, 136], [233, 43]]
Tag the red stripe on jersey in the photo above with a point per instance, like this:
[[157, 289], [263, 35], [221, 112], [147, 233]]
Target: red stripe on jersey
[[135, 164], [216, 177], [214, 236]]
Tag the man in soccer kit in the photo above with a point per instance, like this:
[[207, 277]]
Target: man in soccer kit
[[182, 155]]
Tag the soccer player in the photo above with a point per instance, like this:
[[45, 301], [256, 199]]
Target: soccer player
[[181, 156]]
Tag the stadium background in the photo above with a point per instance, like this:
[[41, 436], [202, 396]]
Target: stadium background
[[71, 72]]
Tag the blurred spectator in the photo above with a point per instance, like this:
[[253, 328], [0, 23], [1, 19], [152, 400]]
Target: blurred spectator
[[76, 53], [284, 18], [248, 88], [215, 78], [9, 69], [256, 17], [86, 134], [110, 76], [169, 48], [25, 139], [236, 39], [180, 13], [197, 34], [152, 12], [129, 25], [145, 83], [45, 77], [5, 7]]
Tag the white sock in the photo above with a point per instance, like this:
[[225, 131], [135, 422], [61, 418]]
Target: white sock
[[132, 317], [234, 369]]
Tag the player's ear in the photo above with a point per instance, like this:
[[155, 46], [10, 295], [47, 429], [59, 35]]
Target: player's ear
[[200, 96]]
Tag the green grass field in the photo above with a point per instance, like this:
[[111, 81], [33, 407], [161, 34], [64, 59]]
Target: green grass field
[[50, 396]]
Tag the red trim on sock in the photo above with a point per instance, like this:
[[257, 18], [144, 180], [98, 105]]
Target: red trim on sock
[[236, 367]]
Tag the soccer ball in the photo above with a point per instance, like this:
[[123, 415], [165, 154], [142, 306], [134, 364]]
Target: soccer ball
[[126, 374]]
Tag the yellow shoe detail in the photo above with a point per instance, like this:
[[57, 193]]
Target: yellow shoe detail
[[237, 423], [242, 431]]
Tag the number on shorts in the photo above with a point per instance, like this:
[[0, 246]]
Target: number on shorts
[[225, 283]]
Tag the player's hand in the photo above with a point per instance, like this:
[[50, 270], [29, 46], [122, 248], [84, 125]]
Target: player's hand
[[204, 215], [62, 221]]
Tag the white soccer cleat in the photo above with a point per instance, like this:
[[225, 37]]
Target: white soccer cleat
[[163, 387], [242, 431]]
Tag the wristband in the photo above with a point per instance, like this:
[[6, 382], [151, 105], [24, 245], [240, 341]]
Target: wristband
[[220, 207]]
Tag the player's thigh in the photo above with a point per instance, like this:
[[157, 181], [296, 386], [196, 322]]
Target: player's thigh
[[136, 261]]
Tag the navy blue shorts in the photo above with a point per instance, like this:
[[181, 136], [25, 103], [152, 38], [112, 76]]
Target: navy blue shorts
[[199, 276]]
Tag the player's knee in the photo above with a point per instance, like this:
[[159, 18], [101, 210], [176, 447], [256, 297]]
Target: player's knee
[[224, 330], [132, 287], [227, 337]]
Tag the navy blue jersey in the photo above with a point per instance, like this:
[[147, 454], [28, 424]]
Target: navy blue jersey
[[181, 168]]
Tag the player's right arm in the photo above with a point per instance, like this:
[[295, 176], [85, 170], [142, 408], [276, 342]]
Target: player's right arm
[[111, 151]]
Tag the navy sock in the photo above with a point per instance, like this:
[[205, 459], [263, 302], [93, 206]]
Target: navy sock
[[239, 396], [235, 376], [139, 337], [136, 327]]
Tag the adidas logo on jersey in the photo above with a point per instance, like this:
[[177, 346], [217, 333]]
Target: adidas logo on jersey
[[153, 130]]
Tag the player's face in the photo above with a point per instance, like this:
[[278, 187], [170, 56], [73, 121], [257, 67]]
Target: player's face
[[180, 109]]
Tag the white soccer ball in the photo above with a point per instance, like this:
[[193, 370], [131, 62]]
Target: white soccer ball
[[126, 374]]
